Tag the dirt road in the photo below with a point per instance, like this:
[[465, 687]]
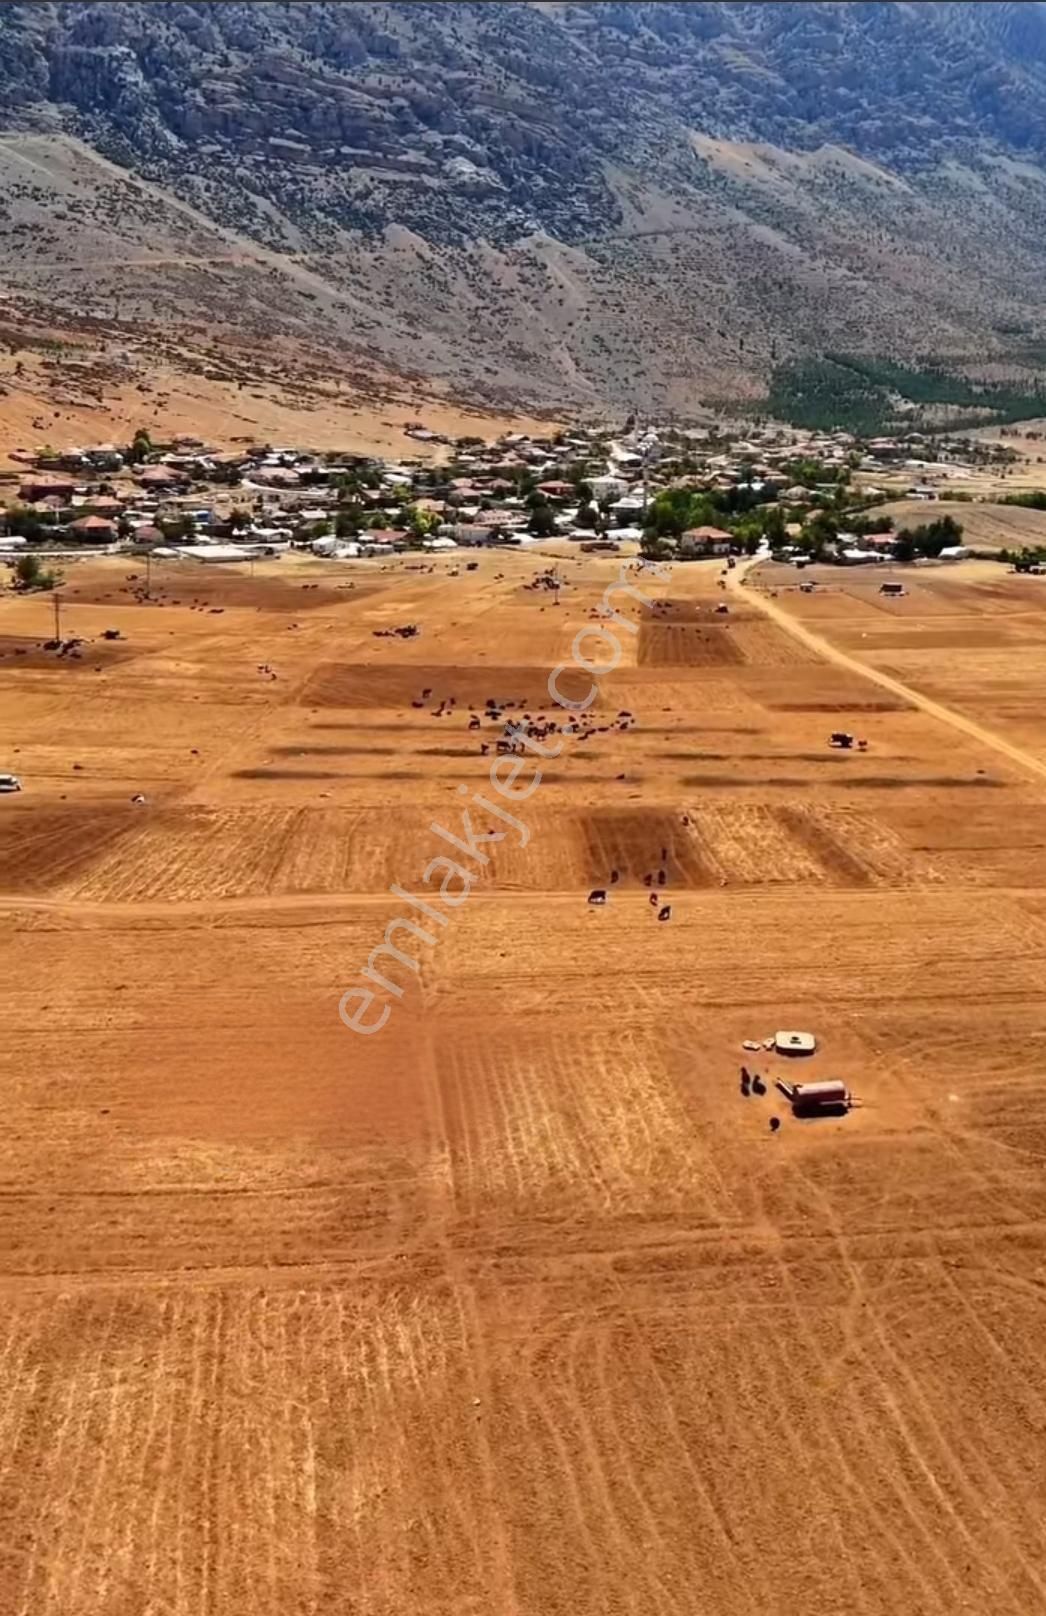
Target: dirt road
[[945, 715], [521, 1307]]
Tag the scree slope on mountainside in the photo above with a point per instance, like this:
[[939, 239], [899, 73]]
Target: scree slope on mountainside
[[641, 203]]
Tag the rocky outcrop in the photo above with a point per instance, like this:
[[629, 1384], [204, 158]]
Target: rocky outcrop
[[666, 143]]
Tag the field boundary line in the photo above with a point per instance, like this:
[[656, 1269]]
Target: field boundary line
[[945, 715]]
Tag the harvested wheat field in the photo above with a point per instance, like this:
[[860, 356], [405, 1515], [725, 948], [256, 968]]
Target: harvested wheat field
[[986, 524], [517, 1306]]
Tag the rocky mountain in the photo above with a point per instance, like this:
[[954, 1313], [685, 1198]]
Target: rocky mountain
[[642, 203]]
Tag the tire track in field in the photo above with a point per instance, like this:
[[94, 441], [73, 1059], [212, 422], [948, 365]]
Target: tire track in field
[[1025, 761]]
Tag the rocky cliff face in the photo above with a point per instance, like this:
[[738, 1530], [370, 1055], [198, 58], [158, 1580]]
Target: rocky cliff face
[[581, 199]]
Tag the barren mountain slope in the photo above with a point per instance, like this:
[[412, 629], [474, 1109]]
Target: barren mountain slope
[[626, 202]]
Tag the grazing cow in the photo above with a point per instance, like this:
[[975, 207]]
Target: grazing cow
[[597, 895], [660, 878], [614, 877], [775, 1123], [654, 899], [665, 913]]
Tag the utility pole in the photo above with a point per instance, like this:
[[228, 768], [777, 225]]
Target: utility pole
[[57, 615], [148, 573]]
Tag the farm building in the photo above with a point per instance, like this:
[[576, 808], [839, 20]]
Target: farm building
[[706, 541], [213, 552]]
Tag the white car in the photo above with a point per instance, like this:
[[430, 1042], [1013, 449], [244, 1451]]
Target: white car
[[10, 782]]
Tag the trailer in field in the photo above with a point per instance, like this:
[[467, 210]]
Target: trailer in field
[[831, 1095]]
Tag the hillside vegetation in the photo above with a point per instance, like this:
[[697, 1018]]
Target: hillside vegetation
[[649, 204], [986, 526]]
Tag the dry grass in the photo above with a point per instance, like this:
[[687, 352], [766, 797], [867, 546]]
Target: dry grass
[[985, 525], [518, 1306]]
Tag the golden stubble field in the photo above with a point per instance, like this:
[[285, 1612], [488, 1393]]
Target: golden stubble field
[[518, 1308]]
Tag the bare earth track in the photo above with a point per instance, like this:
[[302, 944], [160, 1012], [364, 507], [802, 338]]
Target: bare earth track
[[518, 1308], [817, 642]]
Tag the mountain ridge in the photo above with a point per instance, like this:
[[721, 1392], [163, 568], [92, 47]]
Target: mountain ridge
[[572, 204]]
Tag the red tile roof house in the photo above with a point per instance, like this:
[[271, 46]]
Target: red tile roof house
[[93, 530], [35, 488], [164, 477], [102, 505], [705, 541]]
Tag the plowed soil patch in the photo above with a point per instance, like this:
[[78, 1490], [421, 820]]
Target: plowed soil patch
[[842, 865], [633, 843], [687, 645], [346, 684], [747, 844], [679, 611], [764, 645], [207, 585], [44, 848], [839, 706]]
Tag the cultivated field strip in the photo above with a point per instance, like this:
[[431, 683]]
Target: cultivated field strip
[[554, 1125], [194, 853], [227, 1450], [397, 685], [423, 1447], [519, 1306], [848, 1468]]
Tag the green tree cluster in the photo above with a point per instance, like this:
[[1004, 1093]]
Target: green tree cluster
[[1034, 499], [27, 524], [1025, 558], [542, 521], [929, 539], [141, 447], [31, 575]]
